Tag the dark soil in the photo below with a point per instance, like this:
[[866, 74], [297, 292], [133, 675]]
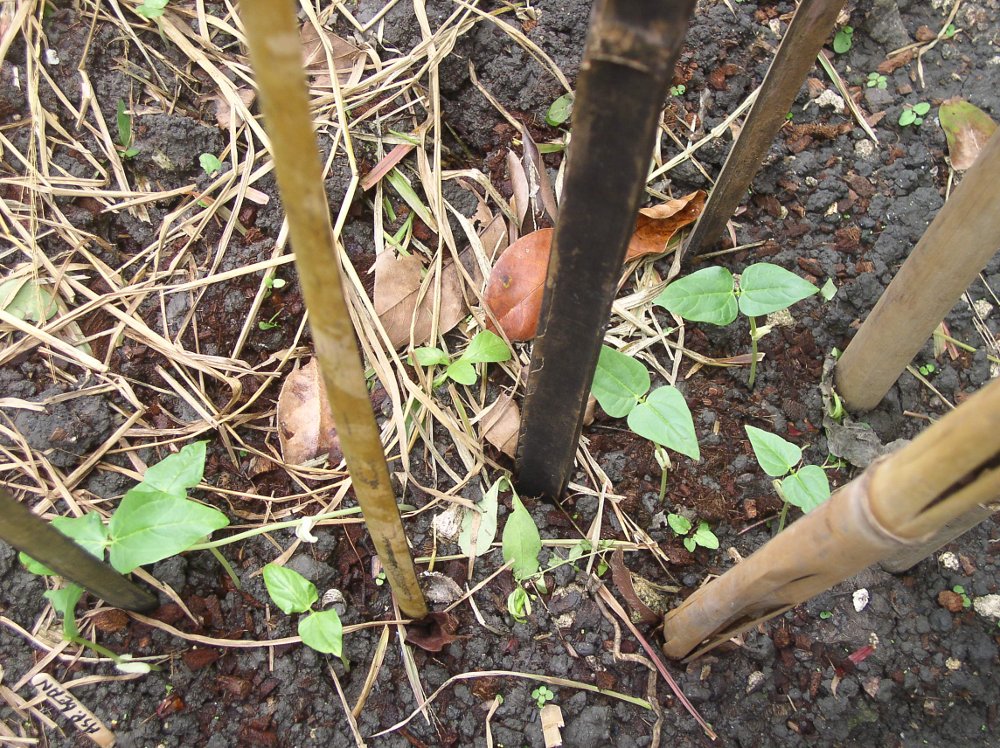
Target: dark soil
[[829, 203]]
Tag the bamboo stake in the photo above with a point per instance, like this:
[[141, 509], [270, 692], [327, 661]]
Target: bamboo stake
[[627, 66], [272, 36], [955, 248], [795, 58], [901, 500], [29, 533]]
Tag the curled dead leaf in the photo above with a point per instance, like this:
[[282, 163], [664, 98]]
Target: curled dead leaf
[[967, 128], [514, 289], [501, 425], [397, 287], [622, 578], [657, 224], [346, 56], [305, 423], [434, 632]]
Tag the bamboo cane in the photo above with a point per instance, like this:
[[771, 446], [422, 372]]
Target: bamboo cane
[[900, 501], [963, 237], [31, 534], [272, 36], [628, 63], [795, 58]]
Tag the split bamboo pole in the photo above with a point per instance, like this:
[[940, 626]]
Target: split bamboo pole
[[900, 501], [29, 533], [963, 237], [796, 56], [627, 66], [276, 55]]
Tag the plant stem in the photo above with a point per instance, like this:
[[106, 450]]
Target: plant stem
[[753, 350], [663, 484], [226, 565]]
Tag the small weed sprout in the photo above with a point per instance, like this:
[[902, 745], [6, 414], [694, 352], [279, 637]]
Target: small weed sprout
[[927, 369], [541, 695], [679, 90], [293, 593], [560, 110], [843, 40], [210, 163], [960, 591], [825, 615], [620, 386], [486, 347], [711, 295], [152, 9], [702, 536], [913, 114], [270, 324], [123, 120], [876, 80], [806, 487]]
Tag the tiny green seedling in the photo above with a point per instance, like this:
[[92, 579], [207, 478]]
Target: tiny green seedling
[[560, 110], [960, 591], [293, 593], [825, 615], [521, 545], [486, 347], [541, 695], [711, 295], [806, 487], [678, 90], [152, 9], [123, 120], [210, 163], [913, 114], [927, 369], [270, 324], [843, 40], [876, 80], [380, 579], [702, 536], [273, 282], [828, 290], [949, 31], [620, 386]]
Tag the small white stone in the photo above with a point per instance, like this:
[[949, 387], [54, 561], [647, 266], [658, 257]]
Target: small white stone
[[987, 606], [949, 560], [952, 664], [51, 57], [754, 681], [864, 149], [449, 523], [860, 598], [828, 99], [335, 598]]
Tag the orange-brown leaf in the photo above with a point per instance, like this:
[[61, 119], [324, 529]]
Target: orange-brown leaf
[[967, 128], [656, 225], [514, 290], [501, 425]]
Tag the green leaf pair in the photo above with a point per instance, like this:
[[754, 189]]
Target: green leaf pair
[[620, 386], [806, 487], [914, 115], [486, 347], [703, 536], [293, 593], [710, 295]]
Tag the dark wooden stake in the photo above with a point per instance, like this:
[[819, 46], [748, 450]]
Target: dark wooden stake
[[31, 534], [795, 58], [627, 66]]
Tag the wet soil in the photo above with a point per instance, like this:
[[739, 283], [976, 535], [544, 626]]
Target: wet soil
[[829, 203]]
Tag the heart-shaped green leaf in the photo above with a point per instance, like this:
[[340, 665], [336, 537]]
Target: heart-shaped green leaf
[[176, 473], [619, 382], [806, 488], [704, 536], [462, 372], [64, 600], [665, 419], [291, 591], [323, 632], [428, 356], [766, 288], [486, 347], [775, 455], [704, 296], [150, 525], [679, 523]]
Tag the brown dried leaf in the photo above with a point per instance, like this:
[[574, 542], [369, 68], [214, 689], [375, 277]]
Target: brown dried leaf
[[345, 55], [434, 632], [967, 128], [622, 578], [223, 109], [514, 290], [501, 425], [305, 424], [397, 286], [541, 194], [656, 225]]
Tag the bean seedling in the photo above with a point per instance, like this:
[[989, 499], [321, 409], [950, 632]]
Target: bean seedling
[[123, 120], [210, 163], [711, 295], [293, 593], [702, 536], [486, 347], [620, 386], [560, 110], [806, 487]]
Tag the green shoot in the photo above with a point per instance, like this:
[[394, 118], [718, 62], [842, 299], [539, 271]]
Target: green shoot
[[210, 164], [486, 347], [678, 90], [711, 295], [560, 110], [152, 9], [913, 114], [702, 536], [270, 324], [876, 80], [541, 695], [843, 40], [806, 487], [124, 122], [293, 593]]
